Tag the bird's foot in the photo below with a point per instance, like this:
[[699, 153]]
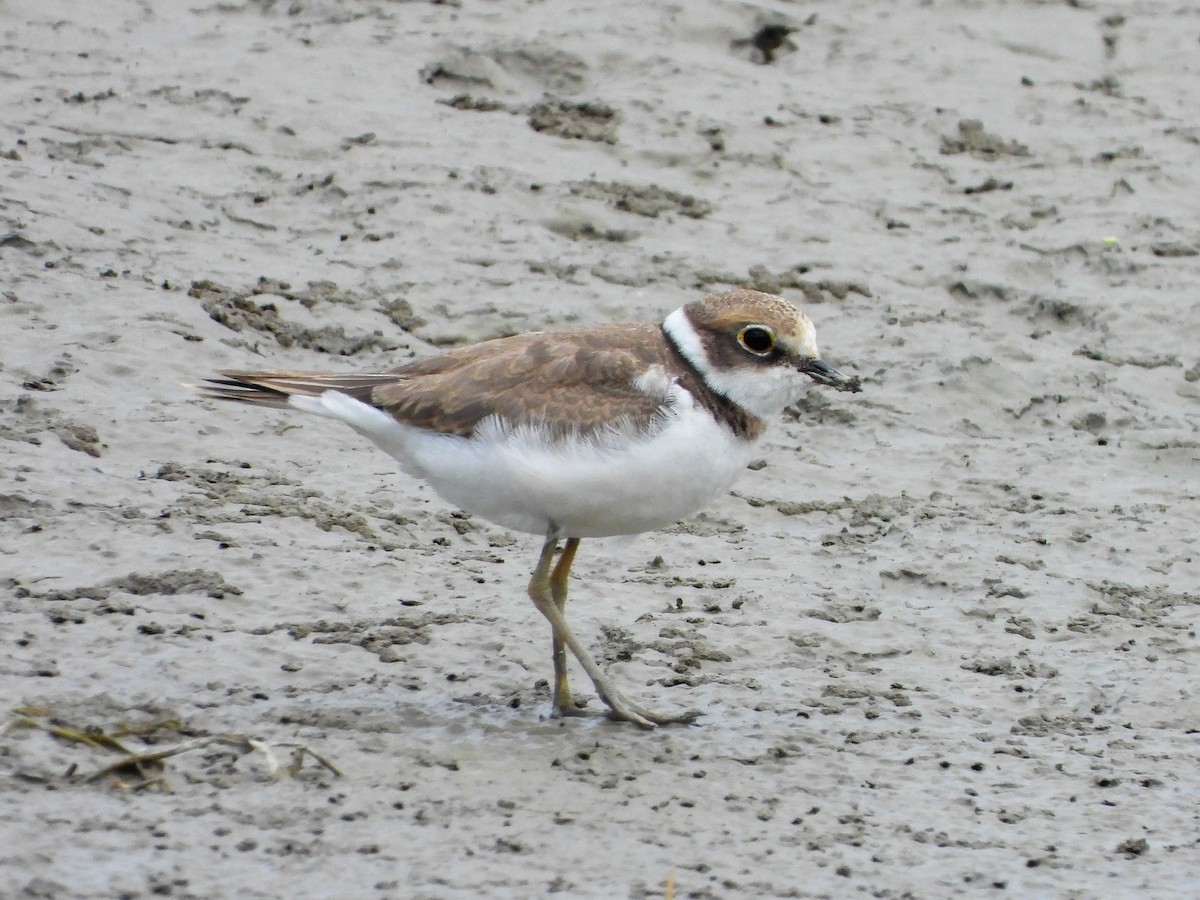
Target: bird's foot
[[570, 709], [622, 710]]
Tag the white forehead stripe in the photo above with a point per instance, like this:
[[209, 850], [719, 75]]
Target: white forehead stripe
[[808, 342]]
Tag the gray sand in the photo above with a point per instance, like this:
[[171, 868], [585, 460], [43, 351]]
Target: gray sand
[[943, 633]]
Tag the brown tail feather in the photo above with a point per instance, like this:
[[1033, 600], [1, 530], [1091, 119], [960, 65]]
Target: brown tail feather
[[273, 388]]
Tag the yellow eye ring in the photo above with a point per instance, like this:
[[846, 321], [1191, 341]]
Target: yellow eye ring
[[757, 339]]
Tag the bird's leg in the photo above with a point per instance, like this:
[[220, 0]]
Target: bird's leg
[[563, 704], [541, 592]]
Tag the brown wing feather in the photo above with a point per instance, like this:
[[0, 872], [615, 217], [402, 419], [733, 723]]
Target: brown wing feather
[[571, 382]]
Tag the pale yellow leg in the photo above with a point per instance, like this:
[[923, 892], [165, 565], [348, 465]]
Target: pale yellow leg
[[564, 705], [548, 591]]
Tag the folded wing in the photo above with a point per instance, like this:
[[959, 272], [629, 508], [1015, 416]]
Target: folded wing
[[567, 383]]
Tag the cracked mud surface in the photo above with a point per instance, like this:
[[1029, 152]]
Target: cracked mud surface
[[943, 632]]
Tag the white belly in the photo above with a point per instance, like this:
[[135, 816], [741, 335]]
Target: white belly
[[623, 483]]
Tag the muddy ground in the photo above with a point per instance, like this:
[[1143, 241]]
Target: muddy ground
[[943, 632]]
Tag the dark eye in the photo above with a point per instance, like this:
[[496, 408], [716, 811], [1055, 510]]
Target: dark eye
[[758, 339]]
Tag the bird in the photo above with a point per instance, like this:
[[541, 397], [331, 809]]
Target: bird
[[594, 431]]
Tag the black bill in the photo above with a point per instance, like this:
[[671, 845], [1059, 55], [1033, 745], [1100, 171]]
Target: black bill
[[823, 373]]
